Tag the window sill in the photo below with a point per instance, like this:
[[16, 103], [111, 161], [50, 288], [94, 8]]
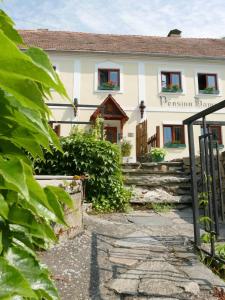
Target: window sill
[[180, 146], [208, 95], [171, 93], [109, 91]]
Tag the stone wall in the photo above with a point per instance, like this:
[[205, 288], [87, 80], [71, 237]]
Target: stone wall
[[73, 217], [186, 164]]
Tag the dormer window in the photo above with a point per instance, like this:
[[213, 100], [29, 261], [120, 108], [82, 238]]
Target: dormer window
[[171, 82], [108, 79], [207, 84]]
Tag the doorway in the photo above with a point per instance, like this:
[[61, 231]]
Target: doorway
[[111, 134]]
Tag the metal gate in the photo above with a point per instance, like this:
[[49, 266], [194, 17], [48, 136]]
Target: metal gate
[[141, 140], [207, 190]]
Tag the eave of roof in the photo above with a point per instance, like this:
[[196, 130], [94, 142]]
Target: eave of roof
[[150, 54]]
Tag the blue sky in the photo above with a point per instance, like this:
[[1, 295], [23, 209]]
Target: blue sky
[[196, 18]]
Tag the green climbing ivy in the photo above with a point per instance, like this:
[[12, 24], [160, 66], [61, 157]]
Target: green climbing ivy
[[26, 210]]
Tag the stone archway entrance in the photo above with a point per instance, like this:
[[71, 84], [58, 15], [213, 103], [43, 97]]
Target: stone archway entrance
[[114, 118]]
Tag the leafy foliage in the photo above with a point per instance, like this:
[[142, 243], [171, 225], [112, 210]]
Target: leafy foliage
[[157, 154], [101, 159], [26, 210], [220, 250], [126, 148]]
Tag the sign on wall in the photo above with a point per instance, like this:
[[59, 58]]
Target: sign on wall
[[174, 103]]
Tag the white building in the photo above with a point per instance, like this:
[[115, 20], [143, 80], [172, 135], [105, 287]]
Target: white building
[[175, 77]]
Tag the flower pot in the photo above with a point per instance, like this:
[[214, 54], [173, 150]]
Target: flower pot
[[158, 159]]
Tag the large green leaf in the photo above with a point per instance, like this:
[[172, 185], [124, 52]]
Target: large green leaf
[[42, 60], [12, 171], [23, 66], [24, 217], [55, 205], [37, 197], [13, 283], [61, 195], [6, 25], [35, 274], [26, 210], [4, 209], [25, 90]]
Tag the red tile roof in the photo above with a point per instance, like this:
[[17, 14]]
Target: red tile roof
[[127, 44]]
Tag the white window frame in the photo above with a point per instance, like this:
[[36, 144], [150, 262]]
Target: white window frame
[[108, 65], [171, 69], [207, 71]]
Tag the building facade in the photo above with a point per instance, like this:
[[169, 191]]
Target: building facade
[[173, 77]]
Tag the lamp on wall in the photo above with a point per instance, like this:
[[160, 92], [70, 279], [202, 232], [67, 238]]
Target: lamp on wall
[[142, 108], [75, 103]]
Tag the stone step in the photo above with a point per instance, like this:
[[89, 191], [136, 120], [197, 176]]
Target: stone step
[[179, 188], [140, 172], [163, 165], [131, 166], [156, 180], [160, 194]]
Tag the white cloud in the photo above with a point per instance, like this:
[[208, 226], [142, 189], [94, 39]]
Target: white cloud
[[196, 18]]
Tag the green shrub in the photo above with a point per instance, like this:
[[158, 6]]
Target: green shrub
[[100, 159], [126, 148]]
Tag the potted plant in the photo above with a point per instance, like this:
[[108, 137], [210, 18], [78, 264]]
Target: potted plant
[[109, 85], [210, 90], [126, 149], [172, 89], [157, 154]]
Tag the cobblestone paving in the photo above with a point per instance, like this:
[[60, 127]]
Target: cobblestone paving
[[135, 256]]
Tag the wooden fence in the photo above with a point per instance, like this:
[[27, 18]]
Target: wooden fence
[[154, 140]]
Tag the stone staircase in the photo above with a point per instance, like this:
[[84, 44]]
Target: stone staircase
[[164, 182]]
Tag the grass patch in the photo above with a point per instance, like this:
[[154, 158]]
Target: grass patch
[[161, 207]]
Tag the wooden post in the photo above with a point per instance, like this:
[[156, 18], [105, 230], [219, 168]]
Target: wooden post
[[158, 136], [57, 130]]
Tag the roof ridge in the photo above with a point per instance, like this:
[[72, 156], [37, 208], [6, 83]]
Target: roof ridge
[[116, 35]]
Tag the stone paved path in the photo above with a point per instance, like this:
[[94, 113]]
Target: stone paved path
[[141, 255]]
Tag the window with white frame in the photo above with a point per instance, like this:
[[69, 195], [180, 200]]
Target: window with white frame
[[207, 83], [173, 135], [171, 82], [108, 79]]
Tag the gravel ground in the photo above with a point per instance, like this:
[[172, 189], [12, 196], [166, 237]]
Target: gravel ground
[[79, 266]]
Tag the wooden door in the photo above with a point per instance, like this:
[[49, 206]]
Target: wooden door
[[111, 134], [141, 140]]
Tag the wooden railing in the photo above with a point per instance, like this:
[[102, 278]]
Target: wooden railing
[[154, 140]]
